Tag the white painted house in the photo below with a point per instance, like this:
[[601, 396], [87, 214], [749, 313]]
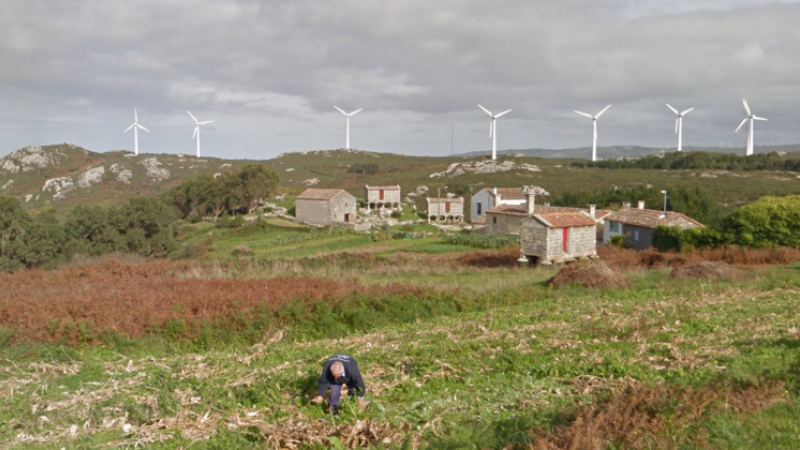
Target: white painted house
[[487, 199]]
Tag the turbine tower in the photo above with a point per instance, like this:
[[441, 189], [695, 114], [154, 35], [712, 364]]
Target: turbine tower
[[347, 117], [679, 124], [135, 127], [196, 133], [594, 128], [493, 128], [751, 117]]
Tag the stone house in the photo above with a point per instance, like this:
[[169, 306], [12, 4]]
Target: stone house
[[325, 207], [636, 225], [378, 197], [557, 237], [445, 209]]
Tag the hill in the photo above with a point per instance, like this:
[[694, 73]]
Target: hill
[[630, 151], [66, 175]]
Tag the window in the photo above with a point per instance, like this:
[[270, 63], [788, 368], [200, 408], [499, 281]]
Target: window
[[494, 219], [636, 235], [480, 208], [613, 227]]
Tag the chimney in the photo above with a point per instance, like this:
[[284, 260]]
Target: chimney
[[592, 209], [641, 204], [626, 205], [530, 199], [497, 197]]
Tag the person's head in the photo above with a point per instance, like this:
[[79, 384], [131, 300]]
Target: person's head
[[337, 369]]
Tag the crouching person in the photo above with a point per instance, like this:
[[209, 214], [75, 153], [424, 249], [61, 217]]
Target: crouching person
[[340, 370]]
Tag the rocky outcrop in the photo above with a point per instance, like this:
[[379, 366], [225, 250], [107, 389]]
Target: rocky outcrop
[[153, 171], [60, 186], [8, 184], [479, 167], [123, 175], [311, 181], [93, 175], [30, 158]]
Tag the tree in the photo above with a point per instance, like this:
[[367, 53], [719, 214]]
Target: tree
[[14, 222], [89, 230], [251, 184], [45, 241], [766, 221], [147, 225]]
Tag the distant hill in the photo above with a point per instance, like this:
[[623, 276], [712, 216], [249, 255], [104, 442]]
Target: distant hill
[[66, 175], [628, 151]]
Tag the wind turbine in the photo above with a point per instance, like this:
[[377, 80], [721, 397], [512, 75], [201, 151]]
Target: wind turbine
[[493, 128], [347, 117], [196, 133], [594, 128], [135, 127], [751, 117], [679, 124]]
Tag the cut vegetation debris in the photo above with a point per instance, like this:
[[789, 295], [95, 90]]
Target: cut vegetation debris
[[707, 270], [591, 274]]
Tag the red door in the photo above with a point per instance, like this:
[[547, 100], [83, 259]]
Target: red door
[[381, 194], [447, 207], [564, 239]]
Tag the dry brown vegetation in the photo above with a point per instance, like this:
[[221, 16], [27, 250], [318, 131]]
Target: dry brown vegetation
[[630, 259], [591, 274], [133, 299], [707, 270], [506, 257], [650, 417]]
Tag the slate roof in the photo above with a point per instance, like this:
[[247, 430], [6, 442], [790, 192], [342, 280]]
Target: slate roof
[[566, 219], [647, 218], [319, 194]]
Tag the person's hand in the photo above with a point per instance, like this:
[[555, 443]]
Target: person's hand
[[361, 403], [317, 399]]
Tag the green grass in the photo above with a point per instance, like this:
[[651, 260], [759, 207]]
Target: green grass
[[477, 379]]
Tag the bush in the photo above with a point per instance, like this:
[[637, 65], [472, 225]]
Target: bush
[[766, 221]]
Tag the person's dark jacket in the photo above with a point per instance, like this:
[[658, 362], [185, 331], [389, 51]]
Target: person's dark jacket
[[352, 377]]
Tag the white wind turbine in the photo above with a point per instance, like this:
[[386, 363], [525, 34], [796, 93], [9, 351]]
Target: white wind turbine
[[594, 128], [196, 133], [347, 117], [751, 117], [135, 127], [679, 124], [493, 128]]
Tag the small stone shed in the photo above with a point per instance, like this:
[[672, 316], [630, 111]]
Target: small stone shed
[[557, 237], [377, 197], [445, 209], [325, 207], [636, 225]]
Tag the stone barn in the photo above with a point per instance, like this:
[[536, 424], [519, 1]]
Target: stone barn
[[557, 237], [446, 209], [636, 225], [378, 197], [325, 207]]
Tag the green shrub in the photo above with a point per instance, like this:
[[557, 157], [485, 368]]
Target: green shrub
[[478, 240]]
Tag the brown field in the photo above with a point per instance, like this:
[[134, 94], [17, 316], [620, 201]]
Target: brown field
[[132, 299]]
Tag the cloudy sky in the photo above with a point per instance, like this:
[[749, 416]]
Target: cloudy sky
[[269, 73]]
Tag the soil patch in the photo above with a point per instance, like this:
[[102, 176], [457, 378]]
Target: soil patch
[[591, 274]]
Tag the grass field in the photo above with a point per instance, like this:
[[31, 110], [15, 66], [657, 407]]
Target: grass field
[[454, 355]]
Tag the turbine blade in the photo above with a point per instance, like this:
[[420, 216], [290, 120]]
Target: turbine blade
[[207, 121], [355, 112], [741, 124], [673, 109], [196, 127], [687, 111], [758, 118], [676, 125], [340, 110], [584, 114], [502, 113], [601, 112], [746, 107], [193, 117], [129, 128], [486, 111], [145, 129]]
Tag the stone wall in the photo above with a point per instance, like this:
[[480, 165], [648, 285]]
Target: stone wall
[[545, 243], [503, 224]]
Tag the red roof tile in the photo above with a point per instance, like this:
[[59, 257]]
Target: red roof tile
[[566, 219], [521, 210]]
